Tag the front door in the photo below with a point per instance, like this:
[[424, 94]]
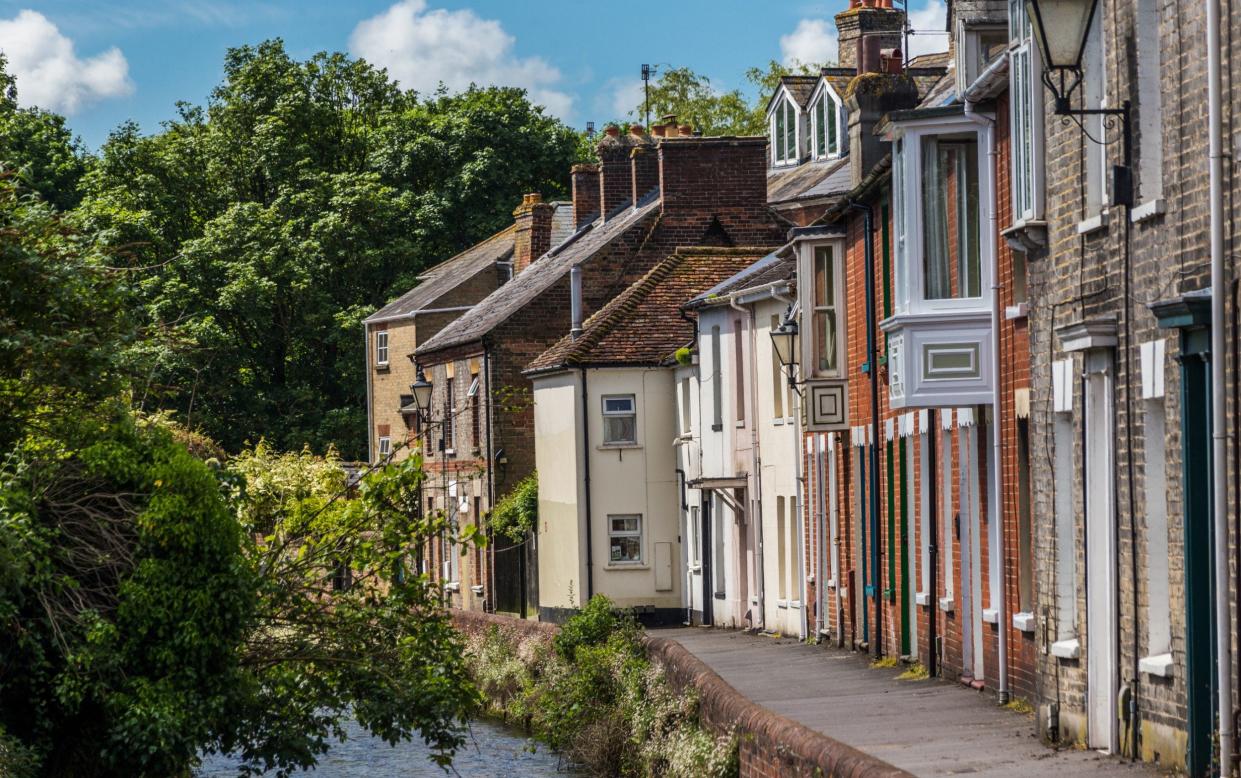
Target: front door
[[968, 517], [1101, 627], [1199, 550]]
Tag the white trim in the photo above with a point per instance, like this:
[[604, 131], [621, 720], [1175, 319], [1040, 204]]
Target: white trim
[[1024, 622], [991, 615], [1148, 210], [1067, 649], [1093, 224], [1160, 665]]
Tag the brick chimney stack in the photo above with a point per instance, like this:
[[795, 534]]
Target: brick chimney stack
[[645, 173], [715, 189], [615, 170], [866, 21], [585, 180], [533, 239]]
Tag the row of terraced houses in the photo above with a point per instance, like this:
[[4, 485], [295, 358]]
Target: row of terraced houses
[[924, 372]]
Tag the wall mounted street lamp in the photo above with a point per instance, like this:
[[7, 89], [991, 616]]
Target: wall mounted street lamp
[[421, 389], [1061, 28], [784, 341]]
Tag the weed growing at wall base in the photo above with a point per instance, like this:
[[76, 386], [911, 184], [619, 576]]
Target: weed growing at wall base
[[591, 694]]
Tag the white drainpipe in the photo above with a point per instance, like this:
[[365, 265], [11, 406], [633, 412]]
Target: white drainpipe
[[997, 503], [1219, 449]]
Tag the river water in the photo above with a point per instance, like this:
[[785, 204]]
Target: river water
[[491, 750]]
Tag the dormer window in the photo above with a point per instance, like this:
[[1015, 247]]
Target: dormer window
[[784, 137], [827, 126]]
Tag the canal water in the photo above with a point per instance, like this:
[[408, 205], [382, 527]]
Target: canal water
[[491, 750]]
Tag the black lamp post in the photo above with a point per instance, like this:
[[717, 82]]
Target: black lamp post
[[1061, 28]]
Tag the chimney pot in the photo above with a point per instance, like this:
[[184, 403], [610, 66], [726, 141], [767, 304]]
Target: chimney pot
[[671, 130], [637, 130], [657, 130], [612, 131], [685, 130]]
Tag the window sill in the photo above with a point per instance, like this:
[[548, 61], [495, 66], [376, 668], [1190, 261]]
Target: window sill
[[696, 569], [1160, 665], [1067, 649], [382, 367], [448, 452], [991, 615], [1018, 311], [1093, 224], [626, 566], [922, 598], [946, 604], [782, 603], [1026, 235], [1024, 622], [452, 586], [616, 446], [777, 422], [1148, 210], [717, 427]]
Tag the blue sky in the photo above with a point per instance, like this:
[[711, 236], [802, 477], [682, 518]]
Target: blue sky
[[102, 62]]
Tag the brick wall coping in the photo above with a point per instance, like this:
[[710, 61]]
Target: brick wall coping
[[771, 744]]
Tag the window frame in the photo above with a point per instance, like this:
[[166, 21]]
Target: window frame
[[811, 306], [826, 96], [384, 446], [638, 533], [382, 348], [450, 413], [785, 108], [908, 215], [605, 414], [1025, 110]]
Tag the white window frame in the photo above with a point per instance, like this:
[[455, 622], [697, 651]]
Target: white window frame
[[1025, 107], [810, 306], [824, 100], [910, 297], [381, 348], [613, 533], [385, 447], [788, 106], [970, 64], [606, 414]]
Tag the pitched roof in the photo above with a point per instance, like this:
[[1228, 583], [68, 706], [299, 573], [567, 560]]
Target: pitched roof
[[543, 273], [779, 265], [819, 178], [642, 326], [800, 87], [439, 279]]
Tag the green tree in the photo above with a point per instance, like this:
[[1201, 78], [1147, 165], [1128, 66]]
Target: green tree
[[38, 145], [124, 597], [268, 224], [690, 96], [63, 321]]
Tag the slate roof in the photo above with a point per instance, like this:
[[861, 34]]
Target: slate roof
[[808, 180], [779, 265], [543, 273], [800, 87], [642, 325], [438, 280]]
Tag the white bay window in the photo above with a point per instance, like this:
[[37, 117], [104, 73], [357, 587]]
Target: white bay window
[[1025, 116], [939, 336]]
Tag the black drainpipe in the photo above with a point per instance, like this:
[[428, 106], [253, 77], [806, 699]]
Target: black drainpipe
[[590, 554], [872, 365]]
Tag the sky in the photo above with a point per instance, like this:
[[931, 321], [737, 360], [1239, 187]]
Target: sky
[[102, 62]]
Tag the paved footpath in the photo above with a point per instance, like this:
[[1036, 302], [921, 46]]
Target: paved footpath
[[928, 727]]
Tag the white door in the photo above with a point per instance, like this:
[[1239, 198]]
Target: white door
[[1101, 627]]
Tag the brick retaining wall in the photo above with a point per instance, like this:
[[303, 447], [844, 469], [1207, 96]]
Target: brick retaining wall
[[771, 746]]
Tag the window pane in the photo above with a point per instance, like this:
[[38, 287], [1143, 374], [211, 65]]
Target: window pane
[[951, 257], [790, 132], [618, 405], [778, 140], [832, 144], [626, 549], [618, 429], [824, 278], [825, 340], [820, 129], [625, 524]]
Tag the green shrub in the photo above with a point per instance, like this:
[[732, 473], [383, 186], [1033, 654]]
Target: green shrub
[[517, 513], [593, 625]]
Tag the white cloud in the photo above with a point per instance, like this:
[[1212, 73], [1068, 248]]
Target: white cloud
[[812, 42], [48, 71], [421, 47], [626, 97], [928, 23]]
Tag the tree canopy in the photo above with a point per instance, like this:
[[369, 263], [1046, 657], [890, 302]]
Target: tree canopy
[[268, 224]]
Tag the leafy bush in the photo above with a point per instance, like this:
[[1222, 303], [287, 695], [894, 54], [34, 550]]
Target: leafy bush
[[517, 513], [591, 693]]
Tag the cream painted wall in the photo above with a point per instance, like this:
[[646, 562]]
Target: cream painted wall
[[558, 457], [778, 445], [639, 479], [689, 460]]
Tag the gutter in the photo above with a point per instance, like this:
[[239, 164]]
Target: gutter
[[997, 501], [1219, 428], [419, 312]]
